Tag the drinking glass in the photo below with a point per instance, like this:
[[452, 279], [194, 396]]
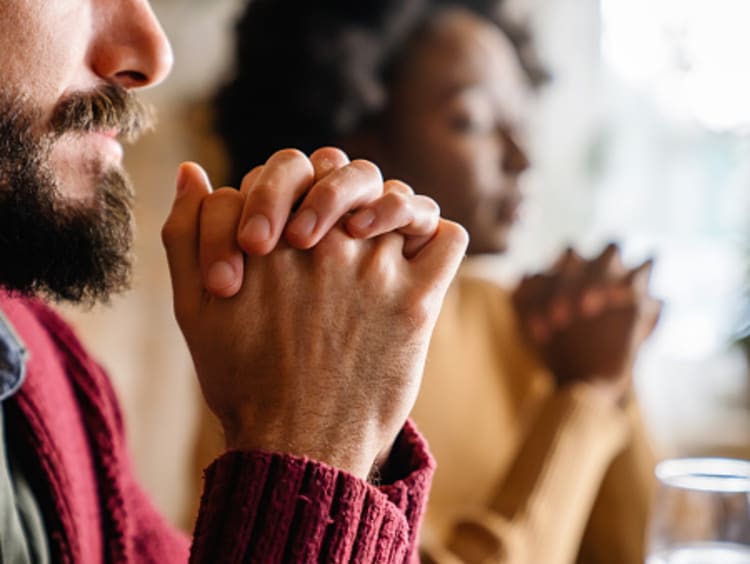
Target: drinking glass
[[702, 512]]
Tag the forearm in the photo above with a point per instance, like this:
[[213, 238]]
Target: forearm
[[625, 495], [541, 510]]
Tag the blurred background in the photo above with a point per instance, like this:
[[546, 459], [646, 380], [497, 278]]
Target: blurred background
[[641, 137]]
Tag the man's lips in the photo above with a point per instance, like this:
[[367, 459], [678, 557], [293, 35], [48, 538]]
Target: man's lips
[[111, 133], [107, 139], [97, 145]]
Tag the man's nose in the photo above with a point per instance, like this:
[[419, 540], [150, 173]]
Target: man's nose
[[129, 46]]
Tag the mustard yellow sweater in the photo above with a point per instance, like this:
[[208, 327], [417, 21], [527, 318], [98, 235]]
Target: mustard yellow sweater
[[526, 473]]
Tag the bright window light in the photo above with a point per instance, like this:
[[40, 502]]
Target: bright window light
[[690, 54]]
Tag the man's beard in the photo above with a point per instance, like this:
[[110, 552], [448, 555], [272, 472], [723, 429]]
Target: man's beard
[[59, 248]]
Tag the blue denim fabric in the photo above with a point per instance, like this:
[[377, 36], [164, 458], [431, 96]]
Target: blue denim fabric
[[12, 360]]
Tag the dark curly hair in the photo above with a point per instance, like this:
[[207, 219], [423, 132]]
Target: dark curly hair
[[308, 73]]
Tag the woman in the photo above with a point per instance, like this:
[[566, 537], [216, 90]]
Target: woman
[[526, 397]]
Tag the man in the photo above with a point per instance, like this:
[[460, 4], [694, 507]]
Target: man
[[311, 365]]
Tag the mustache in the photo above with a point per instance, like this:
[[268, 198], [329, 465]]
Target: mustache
[[106, 108]]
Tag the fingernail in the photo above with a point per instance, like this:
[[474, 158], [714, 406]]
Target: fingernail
[[221, 275], [257, 229], [362, 220], [304, 223]]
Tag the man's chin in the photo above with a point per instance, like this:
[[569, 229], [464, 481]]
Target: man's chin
[[71, 249], [80, 180]]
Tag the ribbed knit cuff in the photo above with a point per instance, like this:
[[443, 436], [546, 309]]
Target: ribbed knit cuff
[[273, 507]]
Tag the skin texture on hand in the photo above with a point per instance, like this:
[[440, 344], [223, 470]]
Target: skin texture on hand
[[318, 352], [588, 319]]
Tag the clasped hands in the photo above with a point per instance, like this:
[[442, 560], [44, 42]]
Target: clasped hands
[[307, 299], [588, 318]]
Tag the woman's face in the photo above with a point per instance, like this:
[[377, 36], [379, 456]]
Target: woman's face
[[453, 130]]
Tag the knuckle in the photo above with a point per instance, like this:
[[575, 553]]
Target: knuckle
[[378, 273], [397, 199], [428, 204], [249, 179], [328, 193], [462, 234], [336, 248], [279, 265], [383, 266], [331, 154], [250, 175], [368, 168], [263, 195], [344, 251], [285, 156], [398, 186], [221, 196], [456, 232]]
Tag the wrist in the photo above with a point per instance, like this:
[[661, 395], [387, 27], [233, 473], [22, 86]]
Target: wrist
[[602, 393], [357, 457]]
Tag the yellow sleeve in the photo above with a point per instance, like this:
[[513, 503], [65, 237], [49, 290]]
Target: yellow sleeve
[[541, 510], [616, 532]]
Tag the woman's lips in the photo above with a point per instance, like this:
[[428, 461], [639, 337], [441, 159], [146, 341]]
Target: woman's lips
[[509, 211]]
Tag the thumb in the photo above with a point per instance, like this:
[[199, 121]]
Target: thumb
[[180, 234], [438, 261]]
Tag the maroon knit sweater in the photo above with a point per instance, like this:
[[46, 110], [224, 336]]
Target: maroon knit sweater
[[65, 426]]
